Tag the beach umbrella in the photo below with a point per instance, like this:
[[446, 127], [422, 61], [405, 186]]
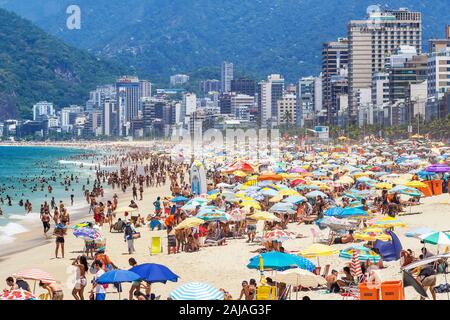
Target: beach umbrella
[[389, 222], [81, 225], [416, 232], [416, 184], [236, 215], [18, 294], [299, 277], [190, 222], [412, 192], [196, 291], [383, 185], [268, 192], [437, 238], [118, 276], [334, 223], [372, 234], [355, 266], [283, 207], [296, 182], [364, 253], [280, 261], [353, 212], [224, 185], [152, 273], [36, 275], [346, 180], [279, 235], [315, 194], [436, 168], [264, 216], [317, 250], [294, 199], [288, 192], [179, 199], [333, 212], [212, 215], [240, 173], [87, 233], [270, 177]]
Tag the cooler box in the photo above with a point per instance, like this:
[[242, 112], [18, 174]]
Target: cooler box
[[430, 186], [392, 290], [368, 292], [426, 191], [437, 186]]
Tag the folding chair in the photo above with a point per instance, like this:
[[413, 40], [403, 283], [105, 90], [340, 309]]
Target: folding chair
[[266, 293], [156, 247]]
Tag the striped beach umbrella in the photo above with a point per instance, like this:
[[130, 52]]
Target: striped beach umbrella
[[35, 274], [438, 238], [355, 267], [18, 294], [279, 235], [196, 291]]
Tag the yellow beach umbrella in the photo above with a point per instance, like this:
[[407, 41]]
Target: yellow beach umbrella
[[346, 180], [191, 222], [239, 173], [318, 250], [276, 199], [416, 184], [264, 216], [288, 192], [389, 222], [383, 185]]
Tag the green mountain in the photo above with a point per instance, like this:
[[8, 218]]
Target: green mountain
[[162, 37], [35, 66]]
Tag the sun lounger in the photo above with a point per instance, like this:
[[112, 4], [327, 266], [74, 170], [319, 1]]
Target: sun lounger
[[156, 247], [266, 293]]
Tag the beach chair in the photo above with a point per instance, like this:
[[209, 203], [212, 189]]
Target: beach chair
[[156, 247], [326, 270], [319, 237], [44, 296], [266, 293]]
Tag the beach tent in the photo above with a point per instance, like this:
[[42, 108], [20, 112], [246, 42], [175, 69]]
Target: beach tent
[[389, 250]]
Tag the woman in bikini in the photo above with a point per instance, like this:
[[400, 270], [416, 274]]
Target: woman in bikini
[[81, 268]]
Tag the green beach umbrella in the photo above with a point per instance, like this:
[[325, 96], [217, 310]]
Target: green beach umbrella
[[438, 238]]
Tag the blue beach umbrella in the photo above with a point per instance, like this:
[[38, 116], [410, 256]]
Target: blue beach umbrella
[[283, 207], [196, 291], [294, 199], [179, 199], [280, 261], [412, 192], [152, 272], [212, 214], [333, 212], [118, 276]]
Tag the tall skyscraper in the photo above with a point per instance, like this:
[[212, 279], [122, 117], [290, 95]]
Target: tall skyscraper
[[227, 76], [372, 40], [188, 105], [269, 92], [128, 102], [439, 73], [334, 60], [305, 100], [145, 88], [109, 117]]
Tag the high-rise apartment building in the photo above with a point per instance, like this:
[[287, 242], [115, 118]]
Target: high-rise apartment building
[[334, 59], [227, 76], [43, 110], [287, 110], [439, 73], [145, 88], [405, 68], [374, 39], [436, 45], [178, 79], [244, 86], [212, 85], [128, 98], [269, 92]]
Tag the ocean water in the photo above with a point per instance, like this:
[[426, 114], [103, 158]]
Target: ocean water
[[19, 168]]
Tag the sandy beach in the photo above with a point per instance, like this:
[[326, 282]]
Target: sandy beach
[[222, 267]]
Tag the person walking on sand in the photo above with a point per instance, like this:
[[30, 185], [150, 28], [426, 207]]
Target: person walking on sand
[[59, 232], [129, 237], [81, 268], [45, 218]]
